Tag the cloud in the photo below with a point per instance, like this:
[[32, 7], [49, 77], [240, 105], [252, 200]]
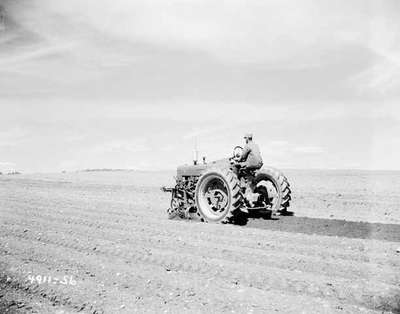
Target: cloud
[[124, 146], [243, 31], [279, 143], [205, 131], [12, 136], [383, 76], [6, 163], [7, 166], [38, 53], [308, 149], [279, 33], [241, 52]]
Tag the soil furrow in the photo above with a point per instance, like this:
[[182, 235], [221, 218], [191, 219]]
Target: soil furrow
[[140, 284], [372, 252], [254, 256], [353, 292]]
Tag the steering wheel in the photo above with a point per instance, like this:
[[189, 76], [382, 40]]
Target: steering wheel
[[237, 152]]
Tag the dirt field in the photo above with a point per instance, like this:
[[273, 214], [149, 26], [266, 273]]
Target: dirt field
[[100, 242]]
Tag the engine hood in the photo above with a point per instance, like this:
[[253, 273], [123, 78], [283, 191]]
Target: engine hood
[[197, 170]]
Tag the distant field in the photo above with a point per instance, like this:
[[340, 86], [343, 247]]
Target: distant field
[[371, 196]]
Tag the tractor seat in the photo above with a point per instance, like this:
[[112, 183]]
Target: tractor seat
[[246, 171]]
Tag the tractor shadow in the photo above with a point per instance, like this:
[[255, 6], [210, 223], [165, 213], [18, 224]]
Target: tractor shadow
[[267, 215], [243, 219], [329, 227], [287, 213]]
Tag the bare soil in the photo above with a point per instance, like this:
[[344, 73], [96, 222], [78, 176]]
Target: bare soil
[[104, 244]]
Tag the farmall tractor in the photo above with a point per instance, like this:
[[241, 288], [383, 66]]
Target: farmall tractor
[[222, 192]]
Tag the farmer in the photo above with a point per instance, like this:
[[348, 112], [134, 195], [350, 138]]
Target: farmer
[[251, 157]]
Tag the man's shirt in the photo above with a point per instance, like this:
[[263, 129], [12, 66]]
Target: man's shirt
[[251, 154]]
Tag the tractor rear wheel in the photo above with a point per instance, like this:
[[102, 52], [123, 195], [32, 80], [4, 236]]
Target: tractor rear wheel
[[218, 196], [276, 187]]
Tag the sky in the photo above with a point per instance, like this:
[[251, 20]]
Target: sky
[[135, 84]]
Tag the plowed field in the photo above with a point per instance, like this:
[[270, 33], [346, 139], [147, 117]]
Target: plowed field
[[101, 243]]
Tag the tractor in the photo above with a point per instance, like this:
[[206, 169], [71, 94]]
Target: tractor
[[222, 192]]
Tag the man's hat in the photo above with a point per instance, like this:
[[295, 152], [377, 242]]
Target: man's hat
[[248, 135]]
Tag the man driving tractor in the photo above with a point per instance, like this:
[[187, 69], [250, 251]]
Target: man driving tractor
[[249, 160], [251, 157]]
